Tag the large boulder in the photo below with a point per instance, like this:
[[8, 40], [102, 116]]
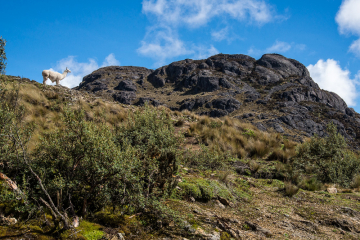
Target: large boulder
[[124, 97], [126, 85], [284, 66], [227, 104]]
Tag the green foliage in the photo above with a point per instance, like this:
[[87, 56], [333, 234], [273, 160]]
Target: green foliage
[[310, 184], [329, 159], [94, 235], [81, 162], [83, 166], [151, 133], [207, 159], [249, 132], [2, 55], [203, 189]]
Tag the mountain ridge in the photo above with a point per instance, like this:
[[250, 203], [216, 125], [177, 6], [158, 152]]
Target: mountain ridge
[[273, 93]]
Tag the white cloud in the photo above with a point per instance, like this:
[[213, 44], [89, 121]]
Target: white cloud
[[348, 19], [161, 45], [195, 13], [80, 69], [220, 35], [204, 52], [110, 61], [330, 76], [355, 47], [162, 40], [279, 47]]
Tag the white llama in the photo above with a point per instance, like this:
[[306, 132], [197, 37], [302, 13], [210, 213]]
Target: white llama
[[54, 76]]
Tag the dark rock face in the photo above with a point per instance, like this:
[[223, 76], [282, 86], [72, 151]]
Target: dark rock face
[[192, 104], [151, 101], [284, 66], [227, 104], [126, 85], [125, 97], [273, 93]]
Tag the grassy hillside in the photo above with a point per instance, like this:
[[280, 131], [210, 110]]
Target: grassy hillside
[[151, 173]]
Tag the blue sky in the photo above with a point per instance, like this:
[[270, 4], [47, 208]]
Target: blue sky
[[324, 35]]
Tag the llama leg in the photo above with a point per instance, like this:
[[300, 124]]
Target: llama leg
[[57, 82], [44, 81]]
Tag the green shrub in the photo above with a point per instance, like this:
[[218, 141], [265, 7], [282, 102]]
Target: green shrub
[[328, 158], [356, 181], [151, 133], [204, 190], [310, 184]]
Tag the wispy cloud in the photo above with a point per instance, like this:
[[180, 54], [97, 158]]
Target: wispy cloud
[[330, 76], [203, 52], [80, 69], [162, 40], [162, 44], [277, 47], [348, 19], [220, 35], [195, 13]]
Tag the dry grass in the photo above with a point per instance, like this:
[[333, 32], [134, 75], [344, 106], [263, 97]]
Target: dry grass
[[290, 189], [241, 139]]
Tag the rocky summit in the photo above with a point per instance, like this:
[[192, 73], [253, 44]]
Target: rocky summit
[[273, 93]]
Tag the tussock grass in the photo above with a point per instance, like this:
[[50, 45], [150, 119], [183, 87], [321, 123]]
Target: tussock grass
[[241, 139], [290, 189]]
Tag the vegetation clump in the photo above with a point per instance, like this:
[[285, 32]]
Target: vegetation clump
[[328, 159]]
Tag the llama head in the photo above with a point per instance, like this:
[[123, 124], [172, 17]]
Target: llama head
[[67, 70]]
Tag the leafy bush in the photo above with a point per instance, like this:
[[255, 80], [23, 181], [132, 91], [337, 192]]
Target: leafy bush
[[329, 159], [151, 133], [310, 184], [83, 166]]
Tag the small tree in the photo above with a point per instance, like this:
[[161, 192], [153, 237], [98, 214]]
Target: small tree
[[329, 159], [2, 55]]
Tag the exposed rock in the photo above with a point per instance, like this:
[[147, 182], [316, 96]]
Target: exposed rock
[[331, 190], [266, 76], [121, 236], [219, 204], [151, 101], [285, 66], [7, 221], [224, 201], [192, 104], [126, 85], [228, 104], [124, 97], [256, 227], [218, 113], [230, 83]]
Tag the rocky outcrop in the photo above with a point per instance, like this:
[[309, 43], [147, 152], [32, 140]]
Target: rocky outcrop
[[273, 92]]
